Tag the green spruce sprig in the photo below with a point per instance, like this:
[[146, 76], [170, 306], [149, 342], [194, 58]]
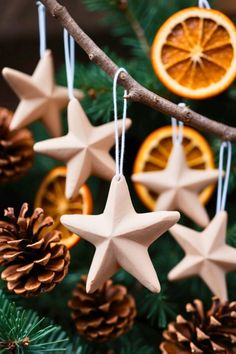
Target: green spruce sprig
[[22, 331]]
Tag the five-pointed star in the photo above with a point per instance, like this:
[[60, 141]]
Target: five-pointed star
[[40, 97], [178, 186], [121, 237], [207, 254], [85, 149]]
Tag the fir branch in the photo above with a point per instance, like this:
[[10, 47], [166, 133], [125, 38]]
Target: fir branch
[[126, 26], [80, 347], [137, 28], [157, 308], [21, 331], [132, 21], [136, 92], [141, 340], [231, 236], [95, 85], [137, 349]]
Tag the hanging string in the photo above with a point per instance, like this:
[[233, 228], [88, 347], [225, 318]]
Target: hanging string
[[177, 128], [120, 150], [42, 28], [69, 48], [222, 190], [204, 4]]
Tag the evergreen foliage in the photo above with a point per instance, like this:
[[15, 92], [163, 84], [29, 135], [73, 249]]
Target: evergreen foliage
[[22, 331], [134, 24]]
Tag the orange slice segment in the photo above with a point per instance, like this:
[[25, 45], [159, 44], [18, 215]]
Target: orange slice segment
[[51, 198], [154, 153], [194, 53]]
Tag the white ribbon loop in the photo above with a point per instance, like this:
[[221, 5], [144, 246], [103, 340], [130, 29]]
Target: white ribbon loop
[[222, 190], [177, 128], [204, 4], [120, 148], [42, 28], [69, 48]]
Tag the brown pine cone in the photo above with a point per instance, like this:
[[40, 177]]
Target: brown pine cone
[[106, 314], [34, 263], [212, 331], [16, 149]]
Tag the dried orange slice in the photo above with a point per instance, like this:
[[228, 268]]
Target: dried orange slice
[[51, 197], [194, 53], [154, 153]]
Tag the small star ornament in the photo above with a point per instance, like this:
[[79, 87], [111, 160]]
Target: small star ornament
[[39, 95], [207, 254], [178, 186], [121, 237], [84, 150]]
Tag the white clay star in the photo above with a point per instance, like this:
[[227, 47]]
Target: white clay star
[[85, 149], [178, 186], [121, 237], [207, 254], [40, 97]]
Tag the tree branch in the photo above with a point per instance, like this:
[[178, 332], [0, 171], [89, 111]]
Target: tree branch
[[136, 92]]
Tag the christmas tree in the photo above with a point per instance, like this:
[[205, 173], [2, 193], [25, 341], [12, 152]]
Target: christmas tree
[[45, 303]]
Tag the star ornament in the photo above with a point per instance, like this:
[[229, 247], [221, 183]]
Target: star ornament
[[84, 150], [207, 254], [178, 186], [121, 237], [40, 97]]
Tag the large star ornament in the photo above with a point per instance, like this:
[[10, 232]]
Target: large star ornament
[[178, 186], [207, 254], [85, 149], [40, 97], [121, 237]]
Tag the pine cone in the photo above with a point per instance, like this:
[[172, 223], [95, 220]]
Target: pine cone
[[212, 331], [104, 315], [34, 262], [16, 149]]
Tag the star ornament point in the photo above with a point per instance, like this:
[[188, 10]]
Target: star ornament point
[[121, 237], [178, 186], [206, 254], [40, 97], [84, 150]]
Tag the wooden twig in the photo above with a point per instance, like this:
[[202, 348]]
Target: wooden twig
[[136, 92]]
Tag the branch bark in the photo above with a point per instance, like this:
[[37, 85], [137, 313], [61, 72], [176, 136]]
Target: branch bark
[[136, 92]]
